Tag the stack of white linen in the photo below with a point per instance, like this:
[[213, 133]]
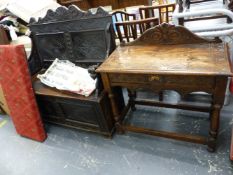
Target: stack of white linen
[[65, 75]]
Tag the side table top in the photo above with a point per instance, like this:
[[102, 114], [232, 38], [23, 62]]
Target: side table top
[[207, 58]]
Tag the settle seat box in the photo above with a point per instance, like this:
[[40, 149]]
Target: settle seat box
[[67, 109], [86, 39]]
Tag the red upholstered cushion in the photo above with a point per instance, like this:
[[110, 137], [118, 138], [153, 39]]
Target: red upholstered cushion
[[17, 88]]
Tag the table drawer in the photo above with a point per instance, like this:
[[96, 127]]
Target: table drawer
[[181, 80]]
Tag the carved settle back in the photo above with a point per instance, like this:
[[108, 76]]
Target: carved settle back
[[169, 34], [82, 37]]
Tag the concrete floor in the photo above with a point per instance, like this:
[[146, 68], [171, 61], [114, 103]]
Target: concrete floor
[[73, 152]]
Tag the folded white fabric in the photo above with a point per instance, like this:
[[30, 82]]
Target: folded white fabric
[[25, 9], [65, 75]]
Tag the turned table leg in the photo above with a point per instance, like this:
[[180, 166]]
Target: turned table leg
[[161, 96], [112, 98], [218, 100], [214, 126], [132, 96], [115, 111]]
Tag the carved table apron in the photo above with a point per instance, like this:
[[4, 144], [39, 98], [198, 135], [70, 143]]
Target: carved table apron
[[184, 68]]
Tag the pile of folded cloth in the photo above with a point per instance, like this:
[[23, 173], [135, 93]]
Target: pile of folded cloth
[[15, 16], [26, 9], [65, 75], [14, 28]]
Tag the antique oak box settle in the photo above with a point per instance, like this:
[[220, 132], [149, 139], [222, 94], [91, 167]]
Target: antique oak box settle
[[86, 39]]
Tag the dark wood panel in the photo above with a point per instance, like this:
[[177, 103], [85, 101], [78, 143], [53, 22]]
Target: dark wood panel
[[3, 36], [167, 80], [127, 3], [116, 4], [82, 4], [94, 115]]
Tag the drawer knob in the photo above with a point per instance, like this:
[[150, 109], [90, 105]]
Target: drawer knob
[[154, 78]]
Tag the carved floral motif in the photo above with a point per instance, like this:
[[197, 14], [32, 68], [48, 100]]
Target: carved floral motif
[[169, 34], [71, 13]]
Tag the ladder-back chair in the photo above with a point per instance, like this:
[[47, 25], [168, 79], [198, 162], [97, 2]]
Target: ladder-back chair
[[132, 29], [119, 16], [164, 12]]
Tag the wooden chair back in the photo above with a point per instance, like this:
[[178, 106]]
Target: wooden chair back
[[120, 16], [132, 29], [164, 12]]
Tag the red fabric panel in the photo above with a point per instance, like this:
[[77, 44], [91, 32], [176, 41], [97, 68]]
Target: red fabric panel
[[231, 85], [231, 151], [17, 88]]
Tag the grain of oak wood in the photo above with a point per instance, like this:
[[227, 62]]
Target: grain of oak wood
[[204, 59], [116, 4], [169, 57]]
